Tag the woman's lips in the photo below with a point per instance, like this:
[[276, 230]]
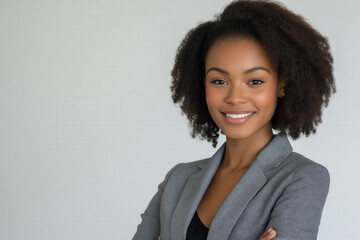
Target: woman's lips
[[237, 118]]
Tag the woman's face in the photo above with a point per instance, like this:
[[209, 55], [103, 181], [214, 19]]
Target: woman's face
[[240, 80]]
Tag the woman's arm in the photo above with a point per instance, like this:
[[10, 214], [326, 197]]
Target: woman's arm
[[268, 235], [149, 228], [297, 213]]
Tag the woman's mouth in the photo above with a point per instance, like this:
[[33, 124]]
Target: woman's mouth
[[237, 118]]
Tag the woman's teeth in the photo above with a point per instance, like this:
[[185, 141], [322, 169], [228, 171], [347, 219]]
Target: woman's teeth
[[238, 115]]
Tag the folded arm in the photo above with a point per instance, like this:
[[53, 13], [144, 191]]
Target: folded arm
[[297, 213]]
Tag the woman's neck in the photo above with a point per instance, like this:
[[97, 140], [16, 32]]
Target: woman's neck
[[240, 153]]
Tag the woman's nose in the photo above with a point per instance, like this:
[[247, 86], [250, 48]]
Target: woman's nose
[[236, 95]]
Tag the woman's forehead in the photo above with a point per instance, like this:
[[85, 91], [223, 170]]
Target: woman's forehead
[[237, 51]]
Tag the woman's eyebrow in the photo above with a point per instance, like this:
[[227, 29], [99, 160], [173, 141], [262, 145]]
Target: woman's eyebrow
[[245, 72]]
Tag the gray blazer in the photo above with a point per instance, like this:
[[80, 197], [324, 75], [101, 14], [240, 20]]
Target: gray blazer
[[281, 189]]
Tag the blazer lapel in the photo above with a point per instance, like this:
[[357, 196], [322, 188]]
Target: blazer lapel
[[252, 181], [192, 195], [233, 206]]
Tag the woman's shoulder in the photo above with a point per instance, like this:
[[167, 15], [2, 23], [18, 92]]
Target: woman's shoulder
[[297, 166], [188, 167], [301, 161]]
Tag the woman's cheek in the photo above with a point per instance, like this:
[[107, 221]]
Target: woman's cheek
[[210, 99], [213, 98], [267, 101]]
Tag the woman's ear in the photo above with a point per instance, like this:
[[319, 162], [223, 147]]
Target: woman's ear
[[281, 88]]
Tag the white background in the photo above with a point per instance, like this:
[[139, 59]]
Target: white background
[[88, 129]]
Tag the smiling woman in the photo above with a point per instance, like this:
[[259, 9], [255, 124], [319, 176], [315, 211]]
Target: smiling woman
[[251, 88], [256, 67]]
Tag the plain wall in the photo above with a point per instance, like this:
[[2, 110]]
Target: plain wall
[[88, 128]]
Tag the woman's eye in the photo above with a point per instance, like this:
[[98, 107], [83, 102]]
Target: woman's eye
[[255, 82], [218, 81]]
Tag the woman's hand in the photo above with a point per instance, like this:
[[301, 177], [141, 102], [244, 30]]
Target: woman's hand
[[159, 238], [268, 235]]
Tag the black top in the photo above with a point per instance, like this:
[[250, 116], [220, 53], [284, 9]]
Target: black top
[[196, 230]]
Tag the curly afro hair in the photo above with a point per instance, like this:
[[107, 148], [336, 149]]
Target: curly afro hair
[[298, 51]]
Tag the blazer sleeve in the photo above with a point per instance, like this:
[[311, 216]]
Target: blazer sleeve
[[297, 213], [149, 228]]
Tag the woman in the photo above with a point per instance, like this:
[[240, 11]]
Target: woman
[[256, 67]]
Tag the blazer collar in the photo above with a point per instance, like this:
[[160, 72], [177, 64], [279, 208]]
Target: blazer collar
[[271, 156]]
